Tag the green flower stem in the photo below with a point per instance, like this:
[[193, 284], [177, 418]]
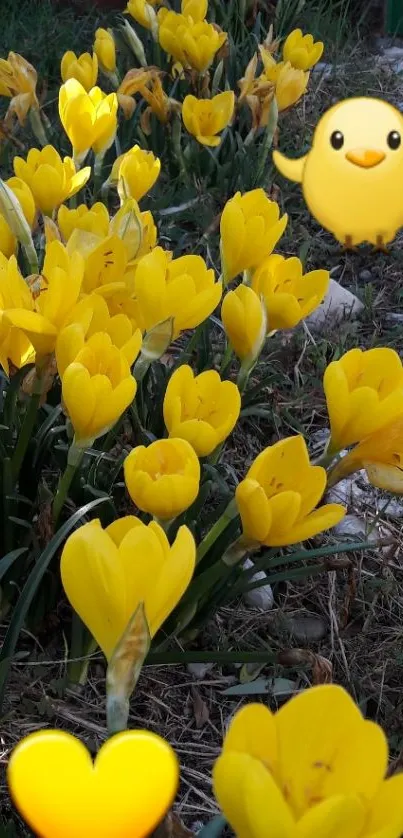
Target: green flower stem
[[117, 713], [228, 515], [37, 126], [81, 646], [27, 427], [226, 359], [177, 146], [243, 377], [163, 523], [74, 458], [98, 164], [268, 141]]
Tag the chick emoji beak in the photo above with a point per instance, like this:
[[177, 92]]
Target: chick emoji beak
[[365, 158]]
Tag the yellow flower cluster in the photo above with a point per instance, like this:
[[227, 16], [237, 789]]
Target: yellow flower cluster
[[286, 80]]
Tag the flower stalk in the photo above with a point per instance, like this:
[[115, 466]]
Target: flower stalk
[[27, 426], [225, 519], [74, 458]]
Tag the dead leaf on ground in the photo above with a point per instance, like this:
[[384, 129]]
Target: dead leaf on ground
[[200, 709]]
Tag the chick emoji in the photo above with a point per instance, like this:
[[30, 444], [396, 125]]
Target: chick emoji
[[352, 178]]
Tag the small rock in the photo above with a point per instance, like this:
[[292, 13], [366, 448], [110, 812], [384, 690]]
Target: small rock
[[392, 54], [352, 525], [394, 317], [305, 628], [322, 68], [365, 275], [391, 507], [339, 304], [346, 492], [262, 597], [318, 440], [199, 670]]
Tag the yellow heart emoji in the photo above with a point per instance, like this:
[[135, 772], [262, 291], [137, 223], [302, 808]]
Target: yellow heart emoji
[[62, 793]]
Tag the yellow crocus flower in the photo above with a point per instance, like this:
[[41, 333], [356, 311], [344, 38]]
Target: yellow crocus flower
[[289, 294], [83, 68], [364, 393], [8, 241], [142, 12], [201, 42], [196, 9], [89, 119], [53, 295], [97, 387], [103, 575], [250, 229], [50, 179], [94, 219], [105, 262], [184, 289], [171, 30], [380, 454], [14, 293], [244, 321], [192, 43], [163, 479], [73, 337], [278, 496], [18, 79], [301, 50], [205, 118], [104, 48], [201, 409], [136, 171], [289, 83], [315, 767]]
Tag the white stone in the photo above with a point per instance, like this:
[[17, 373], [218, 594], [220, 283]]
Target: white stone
[[322, 68], [339, 304], [393, 53], [262, 597], [346, 492], [352, 525]]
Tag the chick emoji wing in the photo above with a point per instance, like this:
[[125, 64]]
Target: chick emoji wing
[[291, 169]]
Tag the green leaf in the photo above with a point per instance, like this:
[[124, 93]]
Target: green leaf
[[29, 590], [278, 687], [9, 559]]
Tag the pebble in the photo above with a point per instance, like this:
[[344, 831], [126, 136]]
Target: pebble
[[365, 275], [305, 628], [199, 670], [339, 304], [261, 598]]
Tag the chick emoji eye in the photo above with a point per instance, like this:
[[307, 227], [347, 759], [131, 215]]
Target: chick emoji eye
[[337, 140], [394, 140]]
